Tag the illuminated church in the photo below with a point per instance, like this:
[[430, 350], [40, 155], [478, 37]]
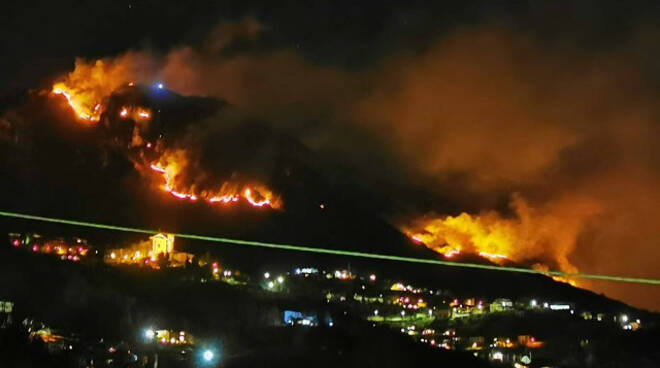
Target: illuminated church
[[162, 243]]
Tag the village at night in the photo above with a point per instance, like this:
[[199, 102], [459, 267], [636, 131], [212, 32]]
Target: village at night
[[329, 184]]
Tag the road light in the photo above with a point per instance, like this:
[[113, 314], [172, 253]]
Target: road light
[[280, 279], [208, 357], [266, 275], [149, 334]]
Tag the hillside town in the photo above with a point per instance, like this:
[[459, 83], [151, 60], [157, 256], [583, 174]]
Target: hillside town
[[501, 331]]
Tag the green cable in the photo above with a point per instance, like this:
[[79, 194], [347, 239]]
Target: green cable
[[347, 253]]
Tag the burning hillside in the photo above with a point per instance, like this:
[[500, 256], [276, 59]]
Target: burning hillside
[[538, 236], [106, 92], [89, 85], [170, 167]]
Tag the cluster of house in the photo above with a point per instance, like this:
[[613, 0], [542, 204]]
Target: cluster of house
[[72, 249]]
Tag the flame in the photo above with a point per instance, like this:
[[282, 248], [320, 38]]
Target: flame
[[544, 269], [144, 114], [451, 235], [88, 86], [135, 113], [87, 89], [545, 234], [492, 256], [78, 106], [170, 166]]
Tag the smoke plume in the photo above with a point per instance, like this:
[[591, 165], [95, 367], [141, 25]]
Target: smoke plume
[[481, 118]]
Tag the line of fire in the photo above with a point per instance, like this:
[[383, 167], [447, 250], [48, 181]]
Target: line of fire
[[131, 116]]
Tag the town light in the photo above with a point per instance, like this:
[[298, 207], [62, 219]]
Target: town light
[[149, 334], [266, 275], [280, 279], [376, 312], [624, 318], [271, 285], [372, 277], [208, 355]]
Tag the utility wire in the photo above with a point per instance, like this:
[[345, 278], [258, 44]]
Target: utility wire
[[337, 252]]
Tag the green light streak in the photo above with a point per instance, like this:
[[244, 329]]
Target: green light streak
[[336, 252]]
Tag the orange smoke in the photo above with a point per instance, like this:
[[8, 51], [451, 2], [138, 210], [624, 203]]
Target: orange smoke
[[170, 167], [538, 235], [88, 86]]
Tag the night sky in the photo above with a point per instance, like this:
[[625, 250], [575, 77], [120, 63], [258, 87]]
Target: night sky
[[435, 107]]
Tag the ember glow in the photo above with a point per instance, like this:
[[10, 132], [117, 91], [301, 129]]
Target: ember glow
[[170, 166], [135, 113]]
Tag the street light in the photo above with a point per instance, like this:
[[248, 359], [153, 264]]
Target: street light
[[149, 334], [208, 356]]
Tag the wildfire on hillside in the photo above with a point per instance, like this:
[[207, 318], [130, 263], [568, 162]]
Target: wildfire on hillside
[[87, 90], [88, 86], [170, 167], [538, 236]]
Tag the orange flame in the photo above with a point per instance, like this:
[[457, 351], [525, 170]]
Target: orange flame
[[170, 166], [88, 86], [91, 115], [136, 113], [548, 233], [86, 90]]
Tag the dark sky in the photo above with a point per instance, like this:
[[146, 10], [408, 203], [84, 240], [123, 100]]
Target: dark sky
[[43, 37], [475, 105]]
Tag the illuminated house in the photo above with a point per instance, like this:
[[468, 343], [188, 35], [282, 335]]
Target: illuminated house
[[161, 243], [501, 305], [292, 318], [6, 309], [72, 249]]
